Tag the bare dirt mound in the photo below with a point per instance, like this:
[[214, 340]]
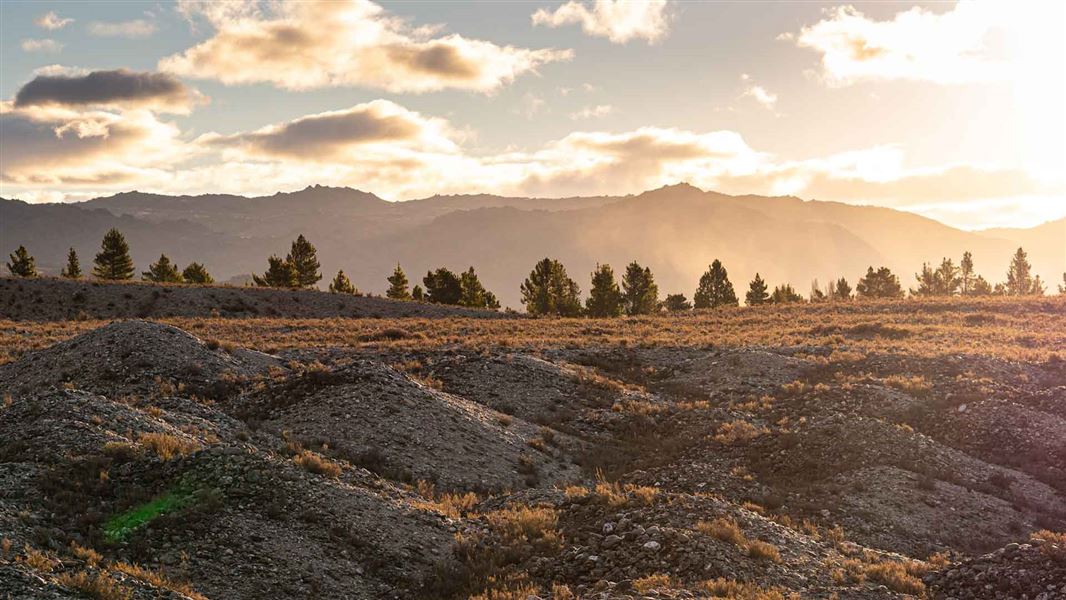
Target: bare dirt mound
[[134, 357], [50, 299], [375, 416]]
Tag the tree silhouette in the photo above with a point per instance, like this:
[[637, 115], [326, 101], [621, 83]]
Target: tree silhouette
[[715, 289], [756, 292], [197, 273], [279, 274], [841, 290], [784, 294], [942, 281], [1062, 288], [473, 294], [397, 285], [113, 261], [605, 298], [640, 294], [1020, 281], [443, 287], [966, 276], [549, 291], [304, 259], [342, 285], [417, 294], [676, 303], [22, 264], [817, 295], [881, 283], [162, 271], [73, 268]]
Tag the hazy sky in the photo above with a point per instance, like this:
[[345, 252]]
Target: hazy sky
[[952, 110]]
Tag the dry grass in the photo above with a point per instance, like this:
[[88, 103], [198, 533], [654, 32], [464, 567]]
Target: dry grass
[[1054, 543], [450, 505], [738, 590], [1032, 329], [158, 580], [100, 586], [90, 556], [37, 560], [723, 529], [315, 463], [648, 583], [616, 494], [534, 525], [897, 576], [167, 446], [738, 432], [761, 550]]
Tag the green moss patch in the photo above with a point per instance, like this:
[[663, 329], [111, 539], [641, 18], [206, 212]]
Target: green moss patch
[[119, 527]]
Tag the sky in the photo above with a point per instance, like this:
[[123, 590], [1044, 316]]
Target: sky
[[953, 110]]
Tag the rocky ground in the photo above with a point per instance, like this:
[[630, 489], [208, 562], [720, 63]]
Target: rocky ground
[[139, 461], [51, 299]]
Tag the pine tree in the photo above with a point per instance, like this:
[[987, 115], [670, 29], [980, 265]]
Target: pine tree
[[342, 285], [162, 271], [1020, 280], [605, 298], [715, 289], [841, 290], [881, 283], [443, 287], [22, 264], [417, 295], [980, 287], [113, 261], [676, 303], [279, 274], [473, 294], [1062, 288], [549, 291], [197, 273], [784, 294], [398, 285], [942, 281], [640, 294], [73, 268], [304, 259], [966, 277], [756, 292]]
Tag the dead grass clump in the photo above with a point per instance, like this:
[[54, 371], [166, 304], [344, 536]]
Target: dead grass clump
[[167, 446], [535, 525], [37, 560], [761, 550], [100, 586], [389, 334], [895, 576], [90, 556], [723, 529], [158, 579], [5, 547], [914, 385], [575, 491], [738, 432], [450, 505], [656, 581], [616, 494], [317, 464], [1052, 543], [738, 590]]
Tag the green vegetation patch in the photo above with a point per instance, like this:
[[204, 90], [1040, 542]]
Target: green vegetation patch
[[119, 527]]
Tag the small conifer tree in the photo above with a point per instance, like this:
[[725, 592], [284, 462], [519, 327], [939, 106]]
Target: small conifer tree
[[22, 264], [417, 294], [756, 292], [881, 283], [605, 298], [640, 294], [473, 294], [113, 261], [841, 290], [279, 274], [443, 287], [398, 285], [676, 303], [162, 271], [549, 291], [197, 273], [304, 259], [715, 288], [784, 294], [73, 268], [1020, 281], [341, 284]]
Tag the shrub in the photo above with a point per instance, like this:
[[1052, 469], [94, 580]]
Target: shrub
[[37, 560], [316, 464]]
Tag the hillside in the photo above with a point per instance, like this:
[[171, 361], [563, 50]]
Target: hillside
[[676, 230], [909, 449], [54, 299]]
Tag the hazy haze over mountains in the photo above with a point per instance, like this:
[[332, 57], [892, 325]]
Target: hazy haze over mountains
[[676, 230]]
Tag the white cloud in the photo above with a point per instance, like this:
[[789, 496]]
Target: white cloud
[[45, 45], [617, 20], [758, 93], [51, 21], [304, 45], [592, 112], [135, 29], [954, 47]]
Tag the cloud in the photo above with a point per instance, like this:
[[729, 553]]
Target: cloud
[[617, 20], [955, 47], [343, 135], [306, 45], [592, 112], [51, 21], [61, 147], [41, 45], [758, 93], [135, 29], [117, 88], [529, 105]]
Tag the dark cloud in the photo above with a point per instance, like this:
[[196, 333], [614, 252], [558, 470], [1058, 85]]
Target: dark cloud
[[119, 87]]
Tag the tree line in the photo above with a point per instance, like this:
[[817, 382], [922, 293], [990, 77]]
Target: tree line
[[549, 290]]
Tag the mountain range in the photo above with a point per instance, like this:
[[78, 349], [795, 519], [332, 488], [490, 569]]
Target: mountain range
[[676, 230]]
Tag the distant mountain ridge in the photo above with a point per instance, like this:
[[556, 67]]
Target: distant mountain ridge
[[676, 230]]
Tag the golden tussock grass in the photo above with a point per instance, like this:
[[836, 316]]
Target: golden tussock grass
[[157, 579], [167, 446], [315, 463], [99, 586]]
